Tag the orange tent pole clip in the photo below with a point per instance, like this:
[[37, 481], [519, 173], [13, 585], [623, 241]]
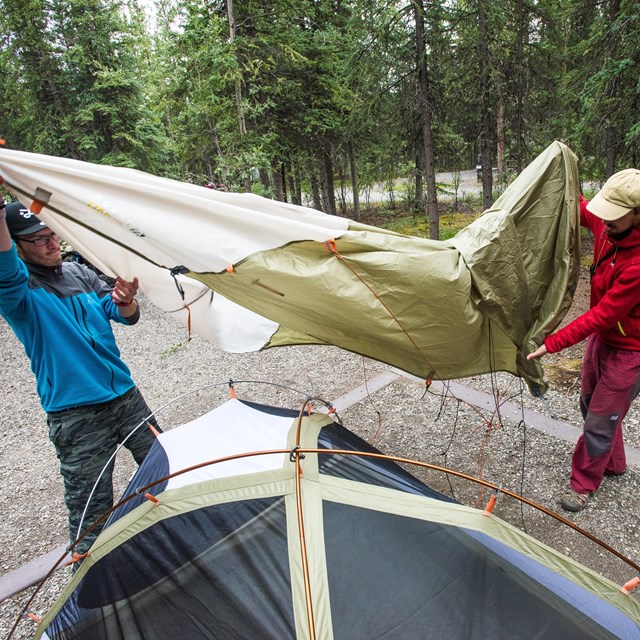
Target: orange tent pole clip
[[155, 432], [488, 510], [151, 498], [631, 585]]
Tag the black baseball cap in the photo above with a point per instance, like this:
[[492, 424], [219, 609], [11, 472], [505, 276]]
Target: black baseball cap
[[21, 221]]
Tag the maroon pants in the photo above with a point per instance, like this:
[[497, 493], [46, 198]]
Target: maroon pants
[[610, 382]]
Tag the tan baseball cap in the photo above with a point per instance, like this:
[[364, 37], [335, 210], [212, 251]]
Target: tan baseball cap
[[620, 194]]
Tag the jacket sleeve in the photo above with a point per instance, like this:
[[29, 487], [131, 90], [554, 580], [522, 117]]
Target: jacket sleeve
[[14, 282], [113, 312], [587, 219], [613, 308], [103, 291]]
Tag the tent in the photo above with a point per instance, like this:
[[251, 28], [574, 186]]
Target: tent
[[285, 524], [247, 273]]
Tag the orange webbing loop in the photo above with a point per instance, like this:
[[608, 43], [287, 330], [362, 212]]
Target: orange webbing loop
[[628, 587], [230, 269], [188, 308], [3, 141], [330, 246], [76, 557], [40, 199], [34, 617], [232, 390]]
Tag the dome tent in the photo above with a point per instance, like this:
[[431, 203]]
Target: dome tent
[[288, 535]]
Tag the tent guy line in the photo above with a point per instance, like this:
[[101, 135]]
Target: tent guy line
[[34, 571]]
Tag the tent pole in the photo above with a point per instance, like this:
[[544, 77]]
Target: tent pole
[[303, 544]]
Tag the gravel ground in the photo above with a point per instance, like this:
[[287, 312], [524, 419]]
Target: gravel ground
[[400, 419]]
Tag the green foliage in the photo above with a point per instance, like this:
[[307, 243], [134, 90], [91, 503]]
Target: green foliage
[[606, 83], [411, 225], [73, 77], [288, 92]]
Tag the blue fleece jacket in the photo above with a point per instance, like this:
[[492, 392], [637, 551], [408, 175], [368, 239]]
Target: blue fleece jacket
[[62, 317]]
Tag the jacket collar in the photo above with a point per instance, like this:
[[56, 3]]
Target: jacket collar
[[632, 240], [42, 270]]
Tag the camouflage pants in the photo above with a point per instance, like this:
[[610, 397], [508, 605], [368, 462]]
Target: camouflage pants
[[85, 439]]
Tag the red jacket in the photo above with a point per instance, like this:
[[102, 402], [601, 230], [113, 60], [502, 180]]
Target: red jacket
[[615, 292]]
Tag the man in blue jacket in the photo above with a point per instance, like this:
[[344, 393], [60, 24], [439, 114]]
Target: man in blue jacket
[[62, 313]]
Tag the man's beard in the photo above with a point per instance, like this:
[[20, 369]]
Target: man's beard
[[620, 235]]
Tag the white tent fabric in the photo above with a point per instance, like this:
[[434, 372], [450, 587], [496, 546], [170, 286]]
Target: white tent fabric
[[232, 429]]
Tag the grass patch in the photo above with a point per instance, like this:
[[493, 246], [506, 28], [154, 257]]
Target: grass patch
[[565, 374], [174, 348], [417, 224]]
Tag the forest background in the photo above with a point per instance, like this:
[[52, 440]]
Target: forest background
[[300, 100]]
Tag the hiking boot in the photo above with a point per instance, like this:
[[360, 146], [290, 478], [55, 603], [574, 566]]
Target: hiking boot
[[615, 473], [574, 501]]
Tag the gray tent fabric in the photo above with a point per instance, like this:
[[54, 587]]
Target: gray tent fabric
[[249, 273]]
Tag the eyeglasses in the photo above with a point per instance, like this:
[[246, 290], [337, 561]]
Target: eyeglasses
[[41, 241]]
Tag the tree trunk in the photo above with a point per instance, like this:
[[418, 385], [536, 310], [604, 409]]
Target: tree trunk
[[501, 137], [265, 180], [291, 186], [315, 189], [425, 108], [328, 188], [232, 35], [354, 182], [521, 79], [610, 133], [297, 184], [276, 177], [418, 204], [485, 132]]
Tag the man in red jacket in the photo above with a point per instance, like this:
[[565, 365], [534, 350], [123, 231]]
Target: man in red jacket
[[611, 367]]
